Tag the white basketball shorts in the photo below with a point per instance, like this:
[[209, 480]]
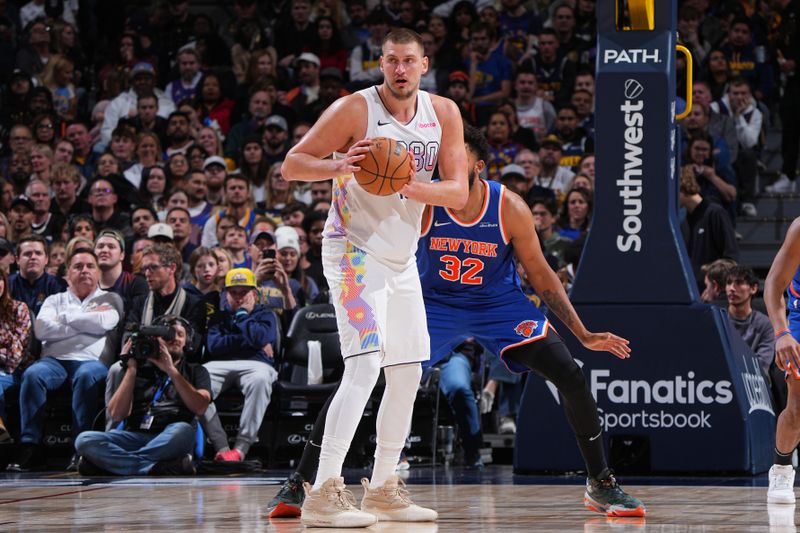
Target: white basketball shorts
[[378, 310]]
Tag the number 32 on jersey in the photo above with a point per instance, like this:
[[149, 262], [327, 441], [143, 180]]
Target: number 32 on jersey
[[465, 271]]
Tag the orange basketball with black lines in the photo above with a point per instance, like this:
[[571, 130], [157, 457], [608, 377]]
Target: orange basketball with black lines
[[386, 168]]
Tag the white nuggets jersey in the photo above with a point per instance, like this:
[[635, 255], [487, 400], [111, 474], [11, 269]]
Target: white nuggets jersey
[[387, 227]]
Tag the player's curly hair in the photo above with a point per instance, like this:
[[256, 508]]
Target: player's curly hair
[[476, 142]]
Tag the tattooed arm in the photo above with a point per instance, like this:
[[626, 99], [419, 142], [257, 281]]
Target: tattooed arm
[[519, 225]]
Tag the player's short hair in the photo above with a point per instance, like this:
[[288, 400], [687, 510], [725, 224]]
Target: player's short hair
[[742, 273], [476, 142], [402, 36]]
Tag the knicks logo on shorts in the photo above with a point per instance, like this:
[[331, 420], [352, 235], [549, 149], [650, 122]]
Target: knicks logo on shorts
[[526, 328]]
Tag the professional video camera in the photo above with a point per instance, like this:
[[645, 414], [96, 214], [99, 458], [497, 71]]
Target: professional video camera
[[144, 341]]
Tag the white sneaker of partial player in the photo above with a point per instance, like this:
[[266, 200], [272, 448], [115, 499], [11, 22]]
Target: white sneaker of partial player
[[781, 484], [783, 185], [749, 210], [781, 517], [332, 505], [392, 503]]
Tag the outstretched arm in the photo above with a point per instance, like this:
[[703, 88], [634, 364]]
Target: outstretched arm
[[518, 221], [787, 350]]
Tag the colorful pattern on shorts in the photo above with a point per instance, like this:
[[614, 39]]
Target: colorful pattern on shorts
[[359, 313], [340, 211]]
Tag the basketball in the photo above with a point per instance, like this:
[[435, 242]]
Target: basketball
[[386, 168]]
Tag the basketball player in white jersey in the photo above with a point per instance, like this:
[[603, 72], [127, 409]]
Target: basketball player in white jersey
[[368, 259]]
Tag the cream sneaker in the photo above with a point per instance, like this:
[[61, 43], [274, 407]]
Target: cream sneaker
[[333, 506], [391, 503]]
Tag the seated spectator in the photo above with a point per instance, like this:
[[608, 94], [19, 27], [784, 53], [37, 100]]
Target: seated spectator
[[142, 218], [32, 285], [364, 60], [81, 226], [238, 204], [715, 278], [123, 146], [211, 103], [177, 168], [240, 351], [753, 325], [143, 79], [545, 215], [189, 76], [713, 186], [535, 113], [103, 199], [552, 175], [707, 229], [502, 150], [522, 136], [15, 333], [72, 326], [203, 266], [513, 177], [66, 180], [45, 222], [576, 213], [258, 109], [575, 143], [153, 186], [179, 220], [148, 154], [41, 158], [489, 70], [287, 246], [235, 242], [158, 400], [293, 214], [458, 92], [225, 262], [321, 190], [582, 181], [109, 247]]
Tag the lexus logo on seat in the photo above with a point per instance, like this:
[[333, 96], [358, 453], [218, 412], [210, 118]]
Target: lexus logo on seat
[[633, 89]]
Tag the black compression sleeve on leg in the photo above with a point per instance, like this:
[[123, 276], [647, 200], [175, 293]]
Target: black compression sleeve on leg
[[551, 359], [307, 467]]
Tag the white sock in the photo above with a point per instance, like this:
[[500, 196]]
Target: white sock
[[360, 374], [394, 419]]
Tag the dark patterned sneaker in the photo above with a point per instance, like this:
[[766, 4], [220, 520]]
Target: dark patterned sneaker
[[289, 500], [605, 496]]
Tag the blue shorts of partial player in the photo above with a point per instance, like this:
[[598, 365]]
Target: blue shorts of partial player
[[497, 326]]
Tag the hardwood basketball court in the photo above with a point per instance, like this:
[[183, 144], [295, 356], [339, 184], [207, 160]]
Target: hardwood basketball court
[[492, 500]]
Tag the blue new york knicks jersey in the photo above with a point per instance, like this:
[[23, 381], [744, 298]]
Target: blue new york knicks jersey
[[454, 255], [470, 283], [793, 303]]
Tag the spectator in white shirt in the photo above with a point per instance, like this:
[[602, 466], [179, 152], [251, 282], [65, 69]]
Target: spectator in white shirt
[[72, 326]]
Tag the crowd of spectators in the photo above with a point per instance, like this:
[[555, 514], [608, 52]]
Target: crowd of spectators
[[141, 151]]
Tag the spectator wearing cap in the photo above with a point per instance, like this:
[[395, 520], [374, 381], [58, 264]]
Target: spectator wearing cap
[[458, 92], [307, 77], [143, 79], [552, 175], [365, 69], [513, 177], [331, 88], [161, 233], [189, 76], [45, 222], [240, 351], [179, 137], [7, 255], [20, 217], [275, 139], [259, 108], [287, 245], [109, 247], [291, 34], [103, 199], [32, 284], [533, 112], [211, 103], [216, 171]]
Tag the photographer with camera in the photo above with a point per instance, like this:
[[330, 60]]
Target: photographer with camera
[[240, 341], [161, 267], [159, 395]]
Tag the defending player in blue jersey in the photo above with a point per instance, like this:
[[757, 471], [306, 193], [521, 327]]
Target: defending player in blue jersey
[[784, 275], [470, 286]]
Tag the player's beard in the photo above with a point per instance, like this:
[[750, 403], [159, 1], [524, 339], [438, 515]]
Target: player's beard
[[402, 95], [471, 179]]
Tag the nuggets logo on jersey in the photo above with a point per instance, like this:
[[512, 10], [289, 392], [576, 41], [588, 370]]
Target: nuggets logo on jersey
[[526, 328]]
